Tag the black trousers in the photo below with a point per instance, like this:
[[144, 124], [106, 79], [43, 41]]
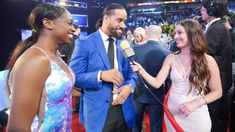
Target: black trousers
[[115, 121], [218, 113]]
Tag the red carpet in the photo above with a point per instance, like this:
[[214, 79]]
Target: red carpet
[[76, 126], [147, 122]]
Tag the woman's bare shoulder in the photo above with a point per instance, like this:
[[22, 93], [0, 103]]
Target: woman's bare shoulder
[[32, 59], [212, 64], [169, 59], [210, 59], [170, 56]]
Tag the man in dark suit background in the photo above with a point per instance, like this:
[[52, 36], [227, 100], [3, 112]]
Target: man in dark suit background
[[220, 47], [232, 89], [105, 76], [151, 56]]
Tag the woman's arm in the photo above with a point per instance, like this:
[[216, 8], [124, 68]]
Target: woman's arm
[[215, 81], [157, 81], [28, 77]]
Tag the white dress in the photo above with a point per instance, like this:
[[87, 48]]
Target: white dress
[[199, 120]]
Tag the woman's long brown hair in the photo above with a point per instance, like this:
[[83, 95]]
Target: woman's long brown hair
[[200, 73]]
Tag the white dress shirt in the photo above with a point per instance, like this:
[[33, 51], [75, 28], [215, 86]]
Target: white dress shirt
[[104, 38]]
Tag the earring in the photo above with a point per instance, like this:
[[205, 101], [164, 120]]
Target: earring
[[50, 28]]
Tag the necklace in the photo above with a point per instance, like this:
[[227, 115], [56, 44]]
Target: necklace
[[185, 74]]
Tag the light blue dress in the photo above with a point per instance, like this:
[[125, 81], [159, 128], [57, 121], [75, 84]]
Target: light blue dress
[[4, 99], [55, 112]]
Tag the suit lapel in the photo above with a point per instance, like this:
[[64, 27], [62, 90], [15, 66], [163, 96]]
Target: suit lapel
[[101, 49]]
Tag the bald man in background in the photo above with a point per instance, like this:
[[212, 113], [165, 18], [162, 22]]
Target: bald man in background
[[151, 56]]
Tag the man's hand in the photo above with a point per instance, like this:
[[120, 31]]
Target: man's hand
[[113, 76], [123, 93]]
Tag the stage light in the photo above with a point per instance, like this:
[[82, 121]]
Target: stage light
[[62, 3]]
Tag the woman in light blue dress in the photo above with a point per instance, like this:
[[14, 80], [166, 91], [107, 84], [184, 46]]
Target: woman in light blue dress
[[41, 83]]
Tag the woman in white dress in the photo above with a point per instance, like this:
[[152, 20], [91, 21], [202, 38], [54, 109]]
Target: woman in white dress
[[195, 80]]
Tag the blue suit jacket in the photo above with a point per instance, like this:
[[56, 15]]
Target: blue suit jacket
[[89, 57], [151, 56]]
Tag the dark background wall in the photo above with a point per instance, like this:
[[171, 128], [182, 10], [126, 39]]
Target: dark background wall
[[12, 18]]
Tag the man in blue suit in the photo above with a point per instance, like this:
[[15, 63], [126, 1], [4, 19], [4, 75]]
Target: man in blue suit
[[107, 83], [151, 56]]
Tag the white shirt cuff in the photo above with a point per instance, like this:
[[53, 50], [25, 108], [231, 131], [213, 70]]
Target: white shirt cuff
[[99, 76], [132, 89]]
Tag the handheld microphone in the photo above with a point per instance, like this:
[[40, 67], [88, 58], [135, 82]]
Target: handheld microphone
[[128, 52]]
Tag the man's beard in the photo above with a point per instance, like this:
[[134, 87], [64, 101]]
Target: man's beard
[[115, 34]]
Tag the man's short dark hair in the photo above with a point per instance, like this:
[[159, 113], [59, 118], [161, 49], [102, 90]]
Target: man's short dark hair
[[108, 10], [216, 8]]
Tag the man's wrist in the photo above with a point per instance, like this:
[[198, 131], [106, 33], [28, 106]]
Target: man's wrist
[[99, 76], [132, 89]]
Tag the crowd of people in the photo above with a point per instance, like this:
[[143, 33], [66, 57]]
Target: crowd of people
[[182, 79]]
